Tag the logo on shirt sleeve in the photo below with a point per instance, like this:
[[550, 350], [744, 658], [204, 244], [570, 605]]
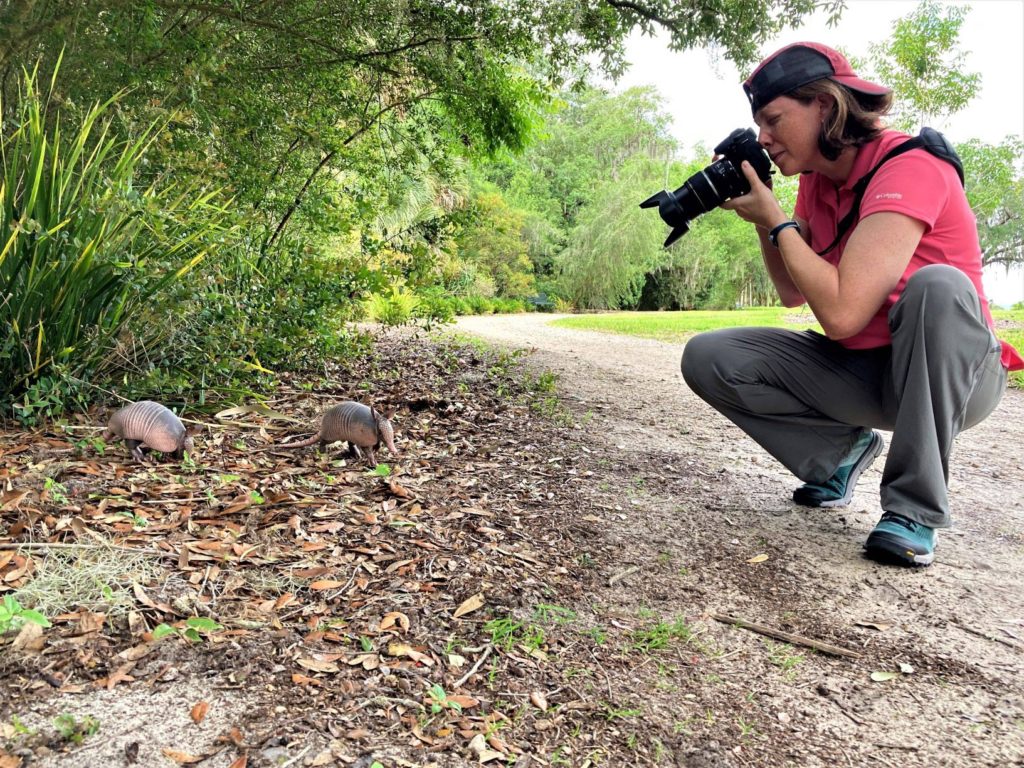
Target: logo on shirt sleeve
[[888, 196]]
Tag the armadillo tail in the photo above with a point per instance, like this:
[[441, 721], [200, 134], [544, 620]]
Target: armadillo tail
[[301, 444]]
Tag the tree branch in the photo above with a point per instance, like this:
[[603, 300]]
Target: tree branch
[[330, 156]]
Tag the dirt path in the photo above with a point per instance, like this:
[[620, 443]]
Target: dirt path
[[697, 499]]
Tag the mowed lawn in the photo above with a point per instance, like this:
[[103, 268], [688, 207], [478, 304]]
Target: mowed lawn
[[679, 326]]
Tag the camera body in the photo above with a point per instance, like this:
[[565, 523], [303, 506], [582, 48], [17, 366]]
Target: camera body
[[712, 186]]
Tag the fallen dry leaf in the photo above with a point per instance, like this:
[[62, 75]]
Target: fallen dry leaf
[[469, 605], [478, 744], [320, 586], [199, 711], [319, 666], [30, 638], [758, 558], [181, 758], [539, 700], [402, 649], [391, 619]]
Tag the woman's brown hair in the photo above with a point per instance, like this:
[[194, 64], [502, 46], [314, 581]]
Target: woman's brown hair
[[856, 117]]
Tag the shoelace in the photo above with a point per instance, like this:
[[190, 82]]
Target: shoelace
[[892, 517]]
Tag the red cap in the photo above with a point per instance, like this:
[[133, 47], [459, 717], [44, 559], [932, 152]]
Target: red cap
[[799, 64]]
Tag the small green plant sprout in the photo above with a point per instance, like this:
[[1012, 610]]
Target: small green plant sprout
[[556, 614], [598, 634], [381, 470], [746, 729], [256, 497], [784, 657], [617, 713], [193, 631], [97, 444], [74, 731], [660, 635], [14, 616], [188, 463], [19, 728], [137, 520], [439, 700], [365, 643], [56, 491], [507, 632]]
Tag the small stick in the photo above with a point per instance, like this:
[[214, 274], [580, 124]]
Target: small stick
[[461, 681], [60, 545], [624, 574], [778, 634]]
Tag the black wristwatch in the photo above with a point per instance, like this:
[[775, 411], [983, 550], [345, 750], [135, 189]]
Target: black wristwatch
[[773, 236]]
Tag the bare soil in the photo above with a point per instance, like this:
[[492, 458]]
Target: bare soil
[[535, 584], [704, 499]]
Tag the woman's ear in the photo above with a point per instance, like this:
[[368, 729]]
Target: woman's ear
[[825, 102]]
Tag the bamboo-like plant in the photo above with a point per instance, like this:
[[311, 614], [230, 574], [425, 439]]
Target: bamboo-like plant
[[83, 244]]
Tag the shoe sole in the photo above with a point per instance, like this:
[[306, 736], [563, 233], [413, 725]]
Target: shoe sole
[[866, 460], [893, 550]]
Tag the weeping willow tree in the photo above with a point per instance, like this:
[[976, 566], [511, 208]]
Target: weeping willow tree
[[615, 243]]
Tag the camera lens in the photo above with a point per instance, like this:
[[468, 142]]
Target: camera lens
[[710, 187]]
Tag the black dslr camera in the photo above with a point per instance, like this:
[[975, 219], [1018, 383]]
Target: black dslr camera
[[709, 188]]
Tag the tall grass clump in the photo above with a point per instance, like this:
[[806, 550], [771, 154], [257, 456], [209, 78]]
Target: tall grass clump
[[85, 243]]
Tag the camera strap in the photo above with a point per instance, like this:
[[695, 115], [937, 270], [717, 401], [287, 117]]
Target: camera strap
[[928, 139]]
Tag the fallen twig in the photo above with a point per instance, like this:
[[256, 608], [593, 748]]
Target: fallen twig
[[487, 652], [622, 575], [66, 545], [789, 637]]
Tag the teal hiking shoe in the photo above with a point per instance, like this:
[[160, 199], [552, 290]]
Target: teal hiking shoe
[[837, 491], [900, 541]]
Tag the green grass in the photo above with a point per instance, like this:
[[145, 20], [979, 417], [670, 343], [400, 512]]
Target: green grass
[[679, 326]]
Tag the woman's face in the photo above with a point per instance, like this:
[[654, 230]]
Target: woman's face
[[789, 133]]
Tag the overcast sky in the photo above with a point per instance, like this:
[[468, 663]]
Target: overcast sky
[[704, 96]]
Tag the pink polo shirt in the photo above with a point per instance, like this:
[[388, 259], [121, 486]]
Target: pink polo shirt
[[916, 184]]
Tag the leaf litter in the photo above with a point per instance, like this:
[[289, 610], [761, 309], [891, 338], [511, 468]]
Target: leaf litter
[[322, 613]]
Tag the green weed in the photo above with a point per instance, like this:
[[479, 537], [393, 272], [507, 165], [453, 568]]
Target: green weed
[[74, 731], [14, 616]]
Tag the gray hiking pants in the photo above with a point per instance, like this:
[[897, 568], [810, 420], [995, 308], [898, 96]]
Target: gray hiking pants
[[806, 399]]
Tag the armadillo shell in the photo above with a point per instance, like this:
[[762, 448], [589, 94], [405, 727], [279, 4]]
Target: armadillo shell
[[152, 424], [350, 421]]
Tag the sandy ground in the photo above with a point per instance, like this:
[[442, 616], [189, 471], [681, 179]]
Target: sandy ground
[[712, 498]]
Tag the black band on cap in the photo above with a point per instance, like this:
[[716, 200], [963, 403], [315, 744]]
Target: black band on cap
[[790, 69]]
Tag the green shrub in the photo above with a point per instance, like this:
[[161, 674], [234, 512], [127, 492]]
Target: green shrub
[[395, 308], [480, 305], [84, 247], [434, 306]]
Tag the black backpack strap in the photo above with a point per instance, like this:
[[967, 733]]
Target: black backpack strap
[[939, 146], [928, 139]]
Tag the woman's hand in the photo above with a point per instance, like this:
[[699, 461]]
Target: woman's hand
[[758, 206]]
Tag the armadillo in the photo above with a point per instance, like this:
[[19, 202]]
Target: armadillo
[[362, 426], [146, 424]]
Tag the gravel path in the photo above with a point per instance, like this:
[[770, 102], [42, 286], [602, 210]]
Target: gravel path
[[961, 621]]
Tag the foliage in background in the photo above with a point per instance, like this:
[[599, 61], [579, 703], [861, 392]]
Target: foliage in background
[[995, 189], [375, 145], [924, 67], [89, 242]]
